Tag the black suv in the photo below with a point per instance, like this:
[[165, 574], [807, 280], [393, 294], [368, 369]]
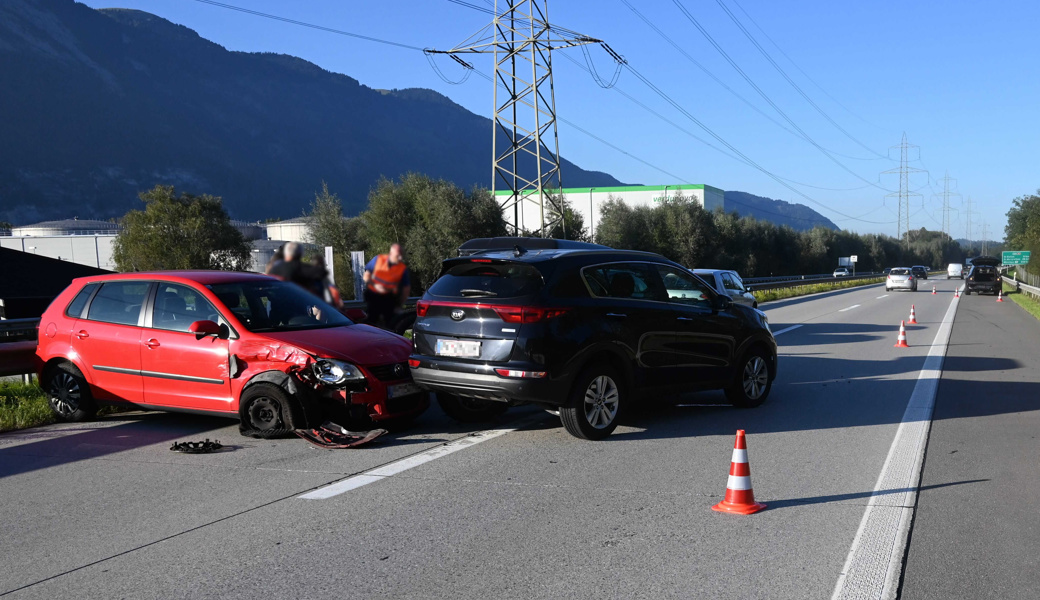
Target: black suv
[[583, 331], [983, 276], [919, 271]]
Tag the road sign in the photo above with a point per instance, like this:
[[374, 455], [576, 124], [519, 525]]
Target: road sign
[[853, 258], [1015, 258]]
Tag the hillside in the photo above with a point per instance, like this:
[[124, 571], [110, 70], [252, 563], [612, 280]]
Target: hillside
[[796, 216], [98, 105]]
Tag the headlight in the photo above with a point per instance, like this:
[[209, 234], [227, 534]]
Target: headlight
[[765, 319], [335, 372]]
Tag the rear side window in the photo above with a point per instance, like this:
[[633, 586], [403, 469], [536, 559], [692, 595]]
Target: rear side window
[[75, 309], [488, 280], [118, 302], [623, 280], [730, 282]]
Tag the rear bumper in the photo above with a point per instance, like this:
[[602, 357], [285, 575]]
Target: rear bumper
[[983, 286], [901, 286], [481, 381]]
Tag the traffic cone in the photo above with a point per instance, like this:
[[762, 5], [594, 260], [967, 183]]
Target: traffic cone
[[901, 342], [740, 498], [913, 316], [1000, 295], [933, 290], [957, 292]]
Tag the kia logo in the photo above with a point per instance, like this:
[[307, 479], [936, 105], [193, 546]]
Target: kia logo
[[458, 314], [399, 369]]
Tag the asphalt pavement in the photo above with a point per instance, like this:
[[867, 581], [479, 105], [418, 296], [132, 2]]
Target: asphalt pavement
[[106, 510]]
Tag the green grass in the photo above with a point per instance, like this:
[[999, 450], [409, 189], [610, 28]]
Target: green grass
[[1029, 303], [812, 288], [23, 405]]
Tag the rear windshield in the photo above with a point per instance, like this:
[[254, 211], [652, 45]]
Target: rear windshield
[[900, 272], [488, 280]]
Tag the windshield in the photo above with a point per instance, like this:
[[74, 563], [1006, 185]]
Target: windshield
[[277, 306]]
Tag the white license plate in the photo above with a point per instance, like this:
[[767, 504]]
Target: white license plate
[[460, 348], [402, 389]]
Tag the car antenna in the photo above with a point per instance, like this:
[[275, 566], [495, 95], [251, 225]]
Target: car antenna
[[519, 251]]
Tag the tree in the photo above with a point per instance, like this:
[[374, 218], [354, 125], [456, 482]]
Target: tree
[[179, 232], [1022, 231], [330, 228]]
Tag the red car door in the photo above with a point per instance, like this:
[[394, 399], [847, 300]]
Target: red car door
[[108, 340], [180, 369]]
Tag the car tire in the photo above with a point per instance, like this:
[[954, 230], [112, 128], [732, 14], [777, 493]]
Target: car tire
[[68, 394], [752, 381], [594, 404], [470, 410], [267, 410]]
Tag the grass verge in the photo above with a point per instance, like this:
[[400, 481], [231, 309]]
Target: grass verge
[[23, 405], [812, 288], [1029, 303]]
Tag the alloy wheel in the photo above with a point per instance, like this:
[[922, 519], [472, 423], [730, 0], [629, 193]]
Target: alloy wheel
[[756, 377], [601, 402]]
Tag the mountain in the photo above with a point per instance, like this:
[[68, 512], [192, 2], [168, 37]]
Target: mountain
[[96, 105], [796, 216]]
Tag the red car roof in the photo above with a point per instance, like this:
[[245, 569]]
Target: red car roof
[[201, 277]]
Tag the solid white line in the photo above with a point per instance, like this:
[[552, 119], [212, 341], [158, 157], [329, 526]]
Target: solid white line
[[785, 330], [849, 308], [880, 297], [380, 473], [875, 560]]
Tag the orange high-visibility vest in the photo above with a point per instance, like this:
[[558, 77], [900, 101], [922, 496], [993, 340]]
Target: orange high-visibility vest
[[387, 274]]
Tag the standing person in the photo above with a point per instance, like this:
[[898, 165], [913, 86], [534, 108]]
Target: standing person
[[293, 269], [387, 284]]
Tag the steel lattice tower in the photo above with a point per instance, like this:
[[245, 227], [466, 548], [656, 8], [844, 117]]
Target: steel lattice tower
[[525, 145], [946, 204], [904, 194]]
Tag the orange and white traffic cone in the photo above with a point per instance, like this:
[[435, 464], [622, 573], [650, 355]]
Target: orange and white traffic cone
[[1000, 295], [913, 316], [901, 342], [740, 498], [957, 292], [933, 290]]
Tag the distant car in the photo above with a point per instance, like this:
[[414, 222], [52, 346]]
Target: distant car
[[955, 270], [919, 271], [983, 276], [239, 345], [730, 284], [900, 278], [841, 272]]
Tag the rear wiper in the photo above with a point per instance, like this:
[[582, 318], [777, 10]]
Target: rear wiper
[[484, 293]]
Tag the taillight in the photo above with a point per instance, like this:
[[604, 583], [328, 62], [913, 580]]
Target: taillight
[[481, 260], [422, 307], [527, 314], [910, 278], [413, 363], [521, 374]]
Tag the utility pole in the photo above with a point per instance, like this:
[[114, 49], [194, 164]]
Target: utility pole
[[904, 194], [968, 232], [524, 143], [946, 204], [985, 238]]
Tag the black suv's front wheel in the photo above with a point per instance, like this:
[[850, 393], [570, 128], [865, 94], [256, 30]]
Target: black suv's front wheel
[[594, 404], [752, 381]]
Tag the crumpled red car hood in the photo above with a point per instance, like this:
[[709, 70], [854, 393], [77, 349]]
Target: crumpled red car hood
[[358, 344]]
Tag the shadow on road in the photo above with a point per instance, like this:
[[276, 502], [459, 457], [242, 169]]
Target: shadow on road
[[774, 504]]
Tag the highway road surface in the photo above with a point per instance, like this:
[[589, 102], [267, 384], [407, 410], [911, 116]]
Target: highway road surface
[[520, 509]]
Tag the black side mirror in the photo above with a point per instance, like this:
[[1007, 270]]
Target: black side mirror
[[720, 302]]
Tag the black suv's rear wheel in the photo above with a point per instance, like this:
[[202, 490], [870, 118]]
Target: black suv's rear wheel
[[752, 381], [470, 410], [594, 404], [69, 394]]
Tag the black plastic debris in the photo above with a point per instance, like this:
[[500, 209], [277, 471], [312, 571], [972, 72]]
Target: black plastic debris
[[204, 447], [333, 436]]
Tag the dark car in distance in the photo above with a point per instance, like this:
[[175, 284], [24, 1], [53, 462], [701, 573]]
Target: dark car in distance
[[919, 271], [584, 331], [983, 276]]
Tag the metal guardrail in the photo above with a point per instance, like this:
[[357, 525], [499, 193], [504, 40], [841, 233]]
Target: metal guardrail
[[1020, 287], [18, 329], [774, 283]]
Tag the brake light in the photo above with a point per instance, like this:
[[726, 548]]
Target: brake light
[[413, 363], [481, 260], [527, 314], [422, 307], [521, 374], [910, 278]]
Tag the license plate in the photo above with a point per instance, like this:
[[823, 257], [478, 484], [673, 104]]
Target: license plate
[[460, 348], [402, 389]]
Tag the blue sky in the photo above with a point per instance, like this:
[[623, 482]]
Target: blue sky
[[961, 79]]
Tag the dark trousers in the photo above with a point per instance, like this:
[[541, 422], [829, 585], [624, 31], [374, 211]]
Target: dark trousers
[[380, 307]]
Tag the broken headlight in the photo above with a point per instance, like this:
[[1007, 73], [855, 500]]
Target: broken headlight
[[335, 372]]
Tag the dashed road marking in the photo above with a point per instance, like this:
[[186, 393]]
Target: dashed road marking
[[849, 308], [880, 297], [785, 330]]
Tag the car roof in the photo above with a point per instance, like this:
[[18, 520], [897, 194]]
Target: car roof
[[200, 277], [537, 256], [713, 271], [484, 245]]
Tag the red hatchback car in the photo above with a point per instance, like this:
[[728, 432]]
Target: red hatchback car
[[240, 345]]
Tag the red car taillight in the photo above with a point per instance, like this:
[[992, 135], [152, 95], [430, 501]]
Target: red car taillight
[[527, 314], [413, 363], [910, 278], [521, 374], [422, 307]]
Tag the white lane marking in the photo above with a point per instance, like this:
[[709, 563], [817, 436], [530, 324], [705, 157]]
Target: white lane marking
[[880, 297], [875, 560], [785, 330], [380, 473], [849, 308]]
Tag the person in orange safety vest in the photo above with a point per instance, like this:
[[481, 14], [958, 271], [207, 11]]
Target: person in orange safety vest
[[387, 284]]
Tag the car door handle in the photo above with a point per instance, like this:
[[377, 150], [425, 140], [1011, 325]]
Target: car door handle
[[82, 334], [152, 343], [617, 315], [683, 319]]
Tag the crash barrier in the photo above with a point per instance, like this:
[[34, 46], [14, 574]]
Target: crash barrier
[[1022, 287], [808, 280]]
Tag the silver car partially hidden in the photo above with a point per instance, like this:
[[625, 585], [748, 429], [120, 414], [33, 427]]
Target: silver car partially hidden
[[728, 283], [900, 278]]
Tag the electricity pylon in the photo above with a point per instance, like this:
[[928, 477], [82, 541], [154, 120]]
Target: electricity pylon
[[946, 204], [522, 41], [904, 193]]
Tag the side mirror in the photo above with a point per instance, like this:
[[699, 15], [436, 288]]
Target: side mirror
[[721, 302], [204, 328]]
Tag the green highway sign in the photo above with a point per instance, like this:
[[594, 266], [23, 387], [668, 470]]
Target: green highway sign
[[1016, 258]]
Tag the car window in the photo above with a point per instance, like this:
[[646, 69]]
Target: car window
[[730, 282], [178, 306], [118, 302], [488, 280], [271, 305], [622, 280], [684, 288], [899, 272], [75, 308]]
